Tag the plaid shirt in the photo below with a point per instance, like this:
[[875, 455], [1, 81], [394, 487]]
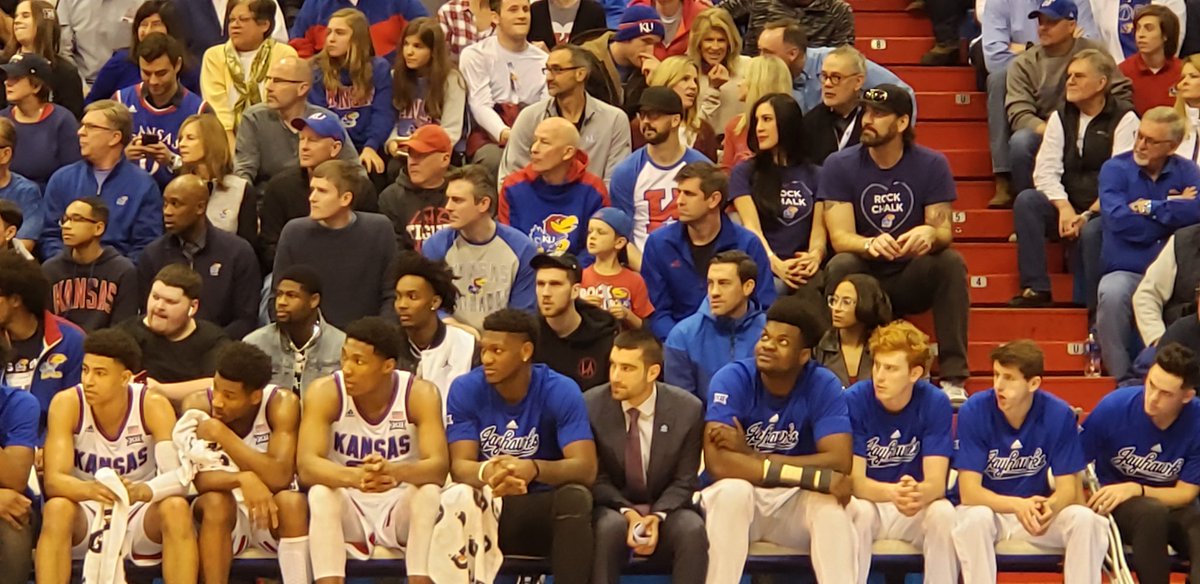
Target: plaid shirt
[[829, 23], [458, 22]]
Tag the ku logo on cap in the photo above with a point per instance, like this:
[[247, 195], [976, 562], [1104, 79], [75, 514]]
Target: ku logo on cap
[[646, 27], [321, 115], [1046, 3]]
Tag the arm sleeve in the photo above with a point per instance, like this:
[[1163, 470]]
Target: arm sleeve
[[455, 108], [127, 301], [936, 437], [678, 370], [213, 86], [1086, 21], [522, 295], [386, 253], [996, 37], [245, 153], [149, 223], [972, 440], [105, 83], [739, 181], [460, 412], [53, 207], [516, 152], [827, 401], [301, 40], [724, 397], [663, 319], [247, 295], [1048, 169], [571, 414], [1119, 220], [20, 420], [1091, 438], [29, 199], [1126, 134], [620, 188], [621, 146], [1020, 104], [1153, 291], [860, 433], [764, 288], [474, 67], [383, 113], [1067, 458]]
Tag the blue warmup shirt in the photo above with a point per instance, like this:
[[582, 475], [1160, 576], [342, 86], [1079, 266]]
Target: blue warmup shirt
[[19, 415], [792, 425], [1014, 461], [895, 444], [1128, 447], [550, 417]]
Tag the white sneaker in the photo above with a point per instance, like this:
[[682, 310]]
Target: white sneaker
[[956, 393]]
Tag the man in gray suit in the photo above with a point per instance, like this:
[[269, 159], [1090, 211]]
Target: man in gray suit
[[648, 441]]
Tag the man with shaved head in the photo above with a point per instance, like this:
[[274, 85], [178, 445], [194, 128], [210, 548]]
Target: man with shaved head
[[226, 263], [552, 198], [267, 144], [604, 128]]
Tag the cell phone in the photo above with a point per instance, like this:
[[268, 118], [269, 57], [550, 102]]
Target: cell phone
[[149, 139]]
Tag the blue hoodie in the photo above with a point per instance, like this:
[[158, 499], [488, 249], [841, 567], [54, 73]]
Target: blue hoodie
[[555, 217], [59, 366], [676, 289], [702, 343], [134, 205]]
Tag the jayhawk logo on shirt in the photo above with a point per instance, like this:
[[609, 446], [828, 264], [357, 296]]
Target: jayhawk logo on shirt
[[553, 234], [477, 284]]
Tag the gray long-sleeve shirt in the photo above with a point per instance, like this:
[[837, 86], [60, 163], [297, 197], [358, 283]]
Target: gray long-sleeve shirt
[[604, 136], [1036, 83], [266, 147]]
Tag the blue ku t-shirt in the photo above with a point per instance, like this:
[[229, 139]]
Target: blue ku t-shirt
[[1128, 447], [889, 201], [790, 425], [787, 232], [551, 416], [1014, 461], [895, 444]]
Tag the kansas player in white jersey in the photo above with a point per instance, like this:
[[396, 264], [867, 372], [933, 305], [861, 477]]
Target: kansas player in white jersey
[[1010, 439], [109, 421], [902, 448], [1146, 444], [373, 453], [256, 425], [777, 441]]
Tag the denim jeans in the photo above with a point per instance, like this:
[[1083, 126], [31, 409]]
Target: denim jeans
[[1115, 329]]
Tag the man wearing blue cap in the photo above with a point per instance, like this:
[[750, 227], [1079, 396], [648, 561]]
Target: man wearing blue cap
[[627, 54], [1035, 87]]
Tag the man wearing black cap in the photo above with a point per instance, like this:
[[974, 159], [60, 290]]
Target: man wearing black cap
[[576, 337], [643, 185], [888, 214]]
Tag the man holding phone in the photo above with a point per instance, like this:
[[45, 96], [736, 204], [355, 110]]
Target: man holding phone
[[159, 105]]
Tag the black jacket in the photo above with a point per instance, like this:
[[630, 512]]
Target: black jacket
[[590, 17], [229, 269], [583, 354], [822, 134]]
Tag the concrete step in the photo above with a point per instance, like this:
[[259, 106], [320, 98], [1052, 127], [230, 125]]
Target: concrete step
[[974, 194], [970, 163], [950, 135], [949, 105], [998, 289], [936, 78], [891, 24], [982, 225], [1000, 325], [1001, 258]]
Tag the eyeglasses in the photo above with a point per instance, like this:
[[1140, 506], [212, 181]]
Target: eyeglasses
[[91, 127], [841, 301], [76, 219], [835, 79], [1151, 141], [556, 71]]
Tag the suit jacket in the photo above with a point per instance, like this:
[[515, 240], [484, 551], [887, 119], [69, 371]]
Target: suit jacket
[[671, 475]]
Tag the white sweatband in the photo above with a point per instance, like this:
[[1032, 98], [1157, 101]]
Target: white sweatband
[[482, 467], [166, 485], [166, 456]]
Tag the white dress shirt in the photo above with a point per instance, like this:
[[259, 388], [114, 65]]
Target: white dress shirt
[[1048, 166]]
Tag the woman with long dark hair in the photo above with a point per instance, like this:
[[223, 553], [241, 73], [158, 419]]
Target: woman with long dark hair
[[353, 83], [426, 86], [858, 306], [35, 29], [122, 68], [774, 191]]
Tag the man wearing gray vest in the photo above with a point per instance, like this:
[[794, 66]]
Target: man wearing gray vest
[[1088, 129]]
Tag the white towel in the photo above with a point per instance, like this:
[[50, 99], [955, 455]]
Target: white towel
[[107, 544], [197, 455], [467, 528]]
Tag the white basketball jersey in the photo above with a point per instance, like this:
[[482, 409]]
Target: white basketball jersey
[[129, 452], [260, 432], [354, 436]]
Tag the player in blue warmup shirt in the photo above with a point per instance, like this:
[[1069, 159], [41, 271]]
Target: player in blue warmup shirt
[[19, 415], [1146, 445], [1010, 440], [902, 448], [777, 442], [523, 430]]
